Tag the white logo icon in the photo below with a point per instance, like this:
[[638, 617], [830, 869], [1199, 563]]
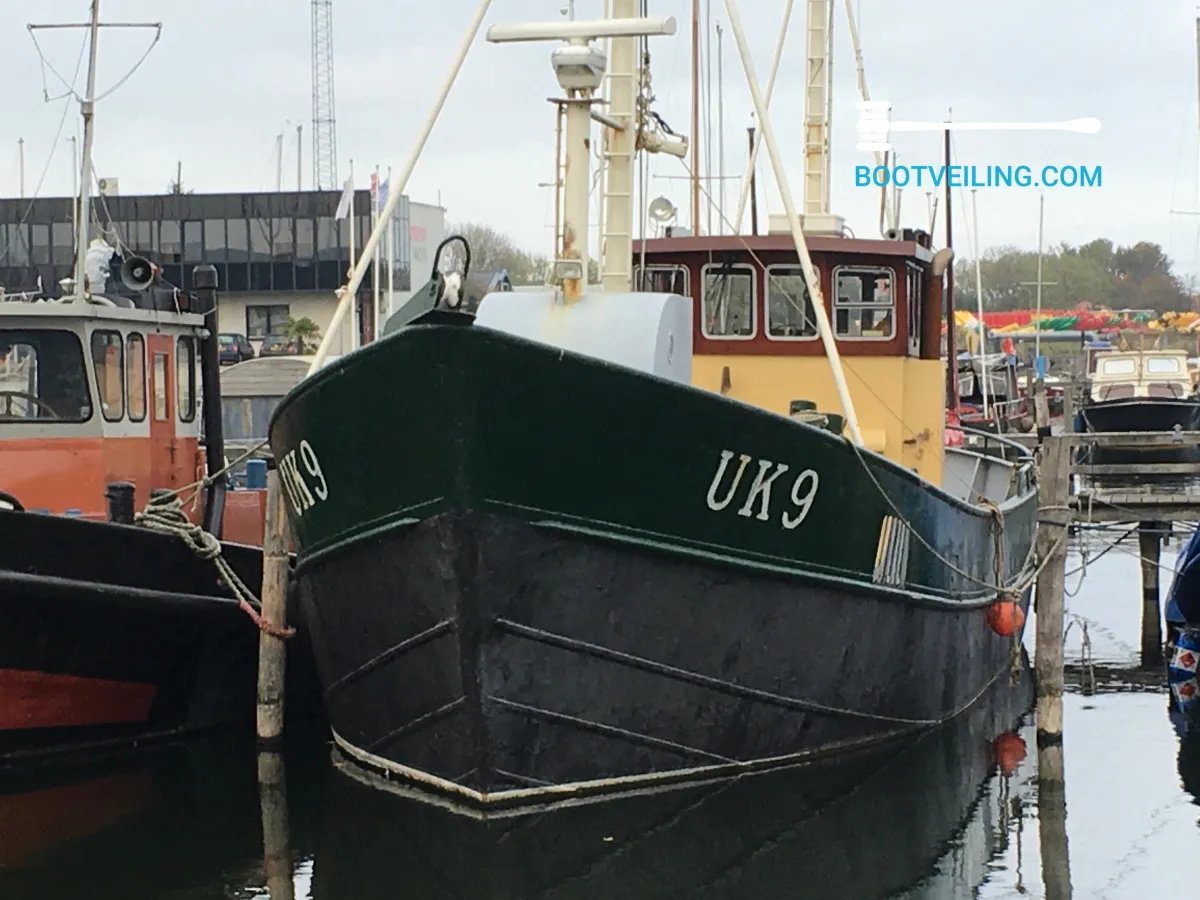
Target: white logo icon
[[875, 125]]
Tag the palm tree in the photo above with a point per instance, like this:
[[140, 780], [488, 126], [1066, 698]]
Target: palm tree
[[304, 330]]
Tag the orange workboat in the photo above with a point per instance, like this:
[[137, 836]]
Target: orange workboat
[[109, 630]]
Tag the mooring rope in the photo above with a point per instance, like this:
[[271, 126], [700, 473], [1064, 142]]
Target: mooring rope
[[165, 513]]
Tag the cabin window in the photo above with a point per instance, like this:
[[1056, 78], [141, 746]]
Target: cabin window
[[915, 301], [108, 362], [185, 378], [135, 351], [43, 377], [728, 302], [864, 303], [1162, 365], [790, 314], [662, 280], [1126, 366], [162, 400]]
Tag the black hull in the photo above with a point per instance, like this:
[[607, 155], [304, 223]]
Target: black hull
[[111, 634], [1144, 414], [462, 665]]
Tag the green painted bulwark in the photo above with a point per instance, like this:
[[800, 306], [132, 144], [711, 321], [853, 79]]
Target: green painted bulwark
[[438, 417]]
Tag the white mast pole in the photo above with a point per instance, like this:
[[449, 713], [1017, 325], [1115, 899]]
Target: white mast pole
[[753, 162], [396, 190], [720, 129], [355, 332], [616, 251], [85, 181], [1037, 334], [810, 275]]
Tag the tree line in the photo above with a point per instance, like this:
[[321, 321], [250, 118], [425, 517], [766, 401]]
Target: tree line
[[1097, 274]]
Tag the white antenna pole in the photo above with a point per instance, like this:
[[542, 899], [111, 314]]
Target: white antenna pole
[[708, 107], [985, 375], [279, 162], [396, 190], [85, 180], [21, 155], [890, 215], [810, 275], [748, 178], [299, 157], [1037, 334], [355, 330], [74, 183], [391, 264], [720, 130], [376, 287]]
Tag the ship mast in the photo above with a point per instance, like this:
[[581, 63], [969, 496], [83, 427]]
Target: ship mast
[[85, 180], [819, 107]]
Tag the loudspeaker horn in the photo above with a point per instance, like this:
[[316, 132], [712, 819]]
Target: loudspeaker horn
[[138, 273]]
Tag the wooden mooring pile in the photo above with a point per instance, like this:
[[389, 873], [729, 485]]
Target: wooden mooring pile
[[1137, 495]]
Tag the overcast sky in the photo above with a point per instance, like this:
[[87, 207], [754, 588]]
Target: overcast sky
[[227, 77]]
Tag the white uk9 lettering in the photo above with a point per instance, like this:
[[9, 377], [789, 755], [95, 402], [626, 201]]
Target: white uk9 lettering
[[757, 503], [304, 489]]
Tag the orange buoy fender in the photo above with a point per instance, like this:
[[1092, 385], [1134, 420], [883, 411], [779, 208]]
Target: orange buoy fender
[[1006, 617]]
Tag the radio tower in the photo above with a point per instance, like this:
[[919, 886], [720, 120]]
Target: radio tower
[[324, 119]]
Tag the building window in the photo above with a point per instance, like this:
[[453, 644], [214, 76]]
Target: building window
[[790, 313], [41, 244], [260, 239], [62, 236], [266, 320], [185, 377], [728, 301], [109, 365], [162, 400], [169, 241], [662, 279], [214, 241], [237, 240], [864, 303], [327, 238], [193, 242], [135, 348], [304, 239], [281, 235]]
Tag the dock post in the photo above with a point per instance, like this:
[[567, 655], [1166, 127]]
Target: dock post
[[1054, 518], [277, 849], [1149, 548], [1041, 408], [272, 653]]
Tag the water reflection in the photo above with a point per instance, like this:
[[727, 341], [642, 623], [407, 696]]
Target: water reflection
[[178, 821], [866, 829]]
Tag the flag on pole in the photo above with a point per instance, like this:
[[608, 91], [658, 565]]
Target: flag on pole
[[375, 183], [383, 193], [343, 207]]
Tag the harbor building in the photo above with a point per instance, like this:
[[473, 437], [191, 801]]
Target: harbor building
[[278, 254]]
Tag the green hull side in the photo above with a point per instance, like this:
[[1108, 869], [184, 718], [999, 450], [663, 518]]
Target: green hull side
[[439, 417]]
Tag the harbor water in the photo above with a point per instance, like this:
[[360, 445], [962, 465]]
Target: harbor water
[[955, 814]]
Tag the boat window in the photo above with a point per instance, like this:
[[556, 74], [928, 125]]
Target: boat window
[[915, 303], [662, 280], [185, 378], [1126, 366], [864, 304], [43, 376], [728, 301], [135, 351], [1162, 365], [162, 400], [789, 305], [108, 362]]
